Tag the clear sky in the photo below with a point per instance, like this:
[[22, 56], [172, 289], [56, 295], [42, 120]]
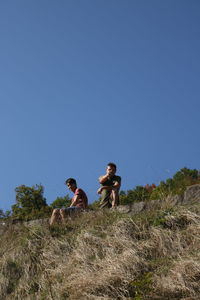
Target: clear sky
[[86, 82]]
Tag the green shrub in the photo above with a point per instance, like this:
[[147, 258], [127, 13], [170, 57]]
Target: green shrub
[[176, 185], [138, 194], [141, 286], [61, 201]]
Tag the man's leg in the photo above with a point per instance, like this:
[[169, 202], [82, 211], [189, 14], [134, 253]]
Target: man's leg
[[55, 217], [64, 213], [115, 198], [105, 199]]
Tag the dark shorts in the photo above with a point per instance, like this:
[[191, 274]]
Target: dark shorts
[[72, 210]]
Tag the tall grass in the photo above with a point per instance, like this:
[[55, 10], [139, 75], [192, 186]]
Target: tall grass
[[105, 255]]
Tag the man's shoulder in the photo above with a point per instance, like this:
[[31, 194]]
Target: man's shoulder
[[116, 177], [79, 191]]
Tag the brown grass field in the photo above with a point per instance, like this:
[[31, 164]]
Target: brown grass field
[[105, 255]]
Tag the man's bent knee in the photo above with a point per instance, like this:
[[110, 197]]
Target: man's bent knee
[[55, 216], [56, 211]]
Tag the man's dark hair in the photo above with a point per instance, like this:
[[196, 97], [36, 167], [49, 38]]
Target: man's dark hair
[[71, 181], [112, 165]]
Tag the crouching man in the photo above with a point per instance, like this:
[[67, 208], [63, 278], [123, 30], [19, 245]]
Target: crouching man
[[110, 185], [78, 203]]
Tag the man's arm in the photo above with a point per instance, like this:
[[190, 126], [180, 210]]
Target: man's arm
[[105, 187], [103, 178], [74, 200], [114, 187]]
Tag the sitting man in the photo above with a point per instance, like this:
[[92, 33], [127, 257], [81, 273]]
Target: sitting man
[[110, 185], [78, 203]]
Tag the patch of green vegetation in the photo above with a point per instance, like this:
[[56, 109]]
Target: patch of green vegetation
[[34, 287], [177, 184], [141, 286], [65, 295], [160, 265], [58, 230], [12, 271], [151, 217], [160, 218], [138, 194], [172, 186]]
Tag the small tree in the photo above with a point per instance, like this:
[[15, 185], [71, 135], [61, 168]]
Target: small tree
[[29, 201]]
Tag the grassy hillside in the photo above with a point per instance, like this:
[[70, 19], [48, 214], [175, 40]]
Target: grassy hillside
[[105, 255]]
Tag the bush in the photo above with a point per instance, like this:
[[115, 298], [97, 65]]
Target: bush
[[176, 185], [138, 194], [61, 202]]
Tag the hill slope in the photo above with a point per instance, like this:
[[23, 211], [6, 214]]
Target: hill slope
[[105, 255]]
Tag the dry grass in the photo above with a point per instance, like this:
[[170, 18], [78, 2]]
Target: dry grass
[[104, 255]]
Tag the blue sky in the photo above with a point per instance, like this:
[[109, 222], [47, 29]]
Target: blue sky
[[83, 83]]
